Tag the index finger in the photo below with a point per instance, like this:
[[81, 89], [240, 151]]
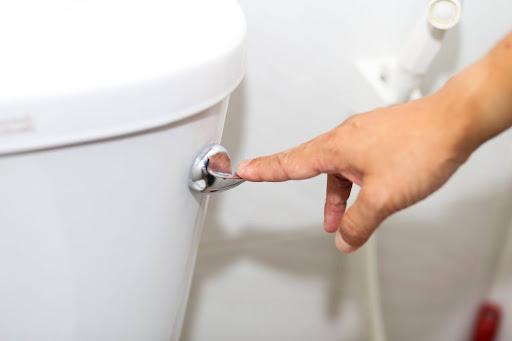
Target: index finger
[[302, 162]]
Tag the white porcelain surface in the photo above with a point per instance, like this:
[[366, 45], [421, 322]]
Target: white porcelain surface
[[98, 241]]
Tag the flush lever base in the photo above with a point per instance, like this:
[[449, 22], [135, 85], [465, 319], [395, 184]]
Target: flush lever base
[[211, 171]]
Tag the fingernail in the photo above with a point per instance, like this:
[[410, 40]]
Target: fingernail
[[342, 245], [242, 165]]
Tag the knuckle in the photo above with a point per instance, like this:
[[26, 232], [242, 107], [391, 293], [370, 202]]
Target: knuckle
[[327, 137], [327, 149], [259, 162], [335, 204], [334, 200], [283, 163], [353, 122]]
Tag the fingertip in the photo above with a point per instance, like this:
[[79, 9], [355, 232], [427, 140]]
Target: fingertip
[[263, 168], [242, 167], [244, 170], [342, 245]]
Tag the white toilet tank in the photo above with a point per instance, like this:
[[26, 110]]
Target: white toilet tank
[[103, 105]]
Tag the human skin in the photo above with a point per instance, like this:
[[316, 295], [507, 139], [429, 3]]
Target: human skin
[[401, 154]]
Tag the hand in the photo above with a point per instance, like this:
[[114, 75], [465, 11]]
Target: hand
[[397, 155]]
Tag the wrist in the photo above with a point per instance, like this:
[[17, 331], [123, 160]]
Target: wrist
[[479, 100], [460, 104]]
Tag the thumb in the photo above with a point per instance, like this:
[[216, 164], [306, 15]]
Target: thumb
[[304, 161], [362, 219]]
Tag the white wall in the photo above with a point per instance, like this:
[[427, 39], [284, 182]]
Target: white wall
[[266, 270]]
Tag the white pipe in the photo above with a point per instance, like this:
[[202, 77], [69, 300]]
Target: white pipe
[[444, 14], [378, 331], [422, 46], [426, 39]]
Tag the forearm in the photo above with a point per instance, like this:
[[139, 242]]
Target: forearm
[[484, 92]]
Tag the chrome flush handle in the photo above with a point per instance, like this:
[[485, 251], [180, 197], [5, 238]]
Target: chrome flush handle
[[211, 171]]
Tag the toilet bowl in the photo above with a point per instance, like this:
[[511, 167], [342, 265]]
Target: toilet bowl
[[103, 106]]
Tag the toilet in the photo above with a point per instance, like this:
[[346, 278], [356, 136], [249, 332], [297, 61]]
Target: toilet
[[103, 107]]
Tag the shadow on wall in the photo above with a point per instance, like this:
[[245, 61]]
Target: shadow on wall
[[422, 261], [307, 254]]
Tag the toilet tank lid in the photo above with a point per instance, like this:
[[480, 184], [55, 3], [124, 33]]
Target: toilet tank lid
[[61, 47], [78, 70]]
